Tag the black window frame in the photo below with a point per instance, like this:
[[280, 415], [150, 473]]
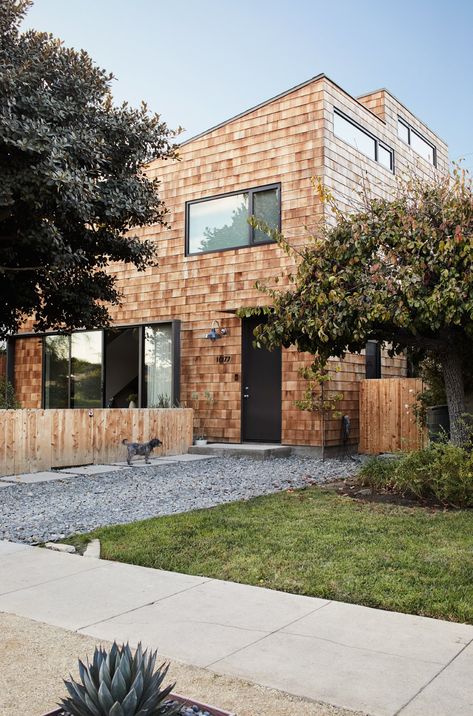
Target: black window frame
[[410, 130], [377, 142], [251, 231], [175, 352], [373, 366]]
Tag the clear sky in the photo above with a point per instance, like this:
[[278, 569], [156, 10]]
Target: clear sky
[[198, 62]]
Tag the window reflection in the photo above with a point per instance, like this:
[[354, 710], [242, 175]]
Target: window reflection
[[354, 136], [158, 366], [266, 208], [77, 366], [222, 222], [421, 147], [56, 372], [416, 141], [218, 223], [86, 369]]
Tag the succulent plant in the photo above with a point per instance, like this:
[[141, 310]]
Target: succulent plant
[[118, 683]]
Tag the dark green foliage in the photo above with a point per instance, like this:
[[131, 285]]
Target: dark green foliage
[[7, 395], [442, 472], [118, 683], [397, 271], [378, 473], [430, 370], [71, 181]]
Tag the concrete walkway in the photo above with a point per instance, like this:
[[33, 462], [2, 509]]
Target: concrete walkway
[[378, 662]]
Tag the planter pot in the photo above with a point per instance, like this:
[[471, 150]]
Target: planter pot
[[212, 710], [201, 442]]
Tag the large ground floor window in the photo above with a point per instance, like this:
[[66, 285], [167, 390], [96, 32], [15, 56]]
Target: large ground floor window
[[134, 366]]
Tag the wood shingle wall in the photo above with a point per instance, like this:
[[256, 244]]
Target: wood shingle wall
[[287, 140]]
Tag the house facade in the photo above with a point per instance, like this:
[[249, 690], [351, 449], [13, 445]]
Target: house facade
[[175, 336]]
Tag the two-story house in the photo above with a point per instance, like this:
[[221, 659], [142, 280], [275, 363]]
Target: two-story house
[[258, 163]]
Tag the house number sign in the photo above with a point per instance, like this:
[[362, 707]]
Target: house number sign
[[223, 359]]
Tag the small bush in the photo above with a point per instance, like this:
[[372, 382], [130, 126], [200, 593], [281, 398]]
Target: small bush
[[378, 473], [442, 471], [7, 395]]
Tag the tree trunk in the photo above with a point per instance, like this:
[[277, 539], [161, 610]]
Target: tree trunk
[[455, 390]]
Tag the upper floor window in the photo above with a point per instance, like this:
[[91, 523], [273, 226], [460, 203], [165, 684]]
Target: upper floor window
[[416, 141], [221, 222], [362, 140]]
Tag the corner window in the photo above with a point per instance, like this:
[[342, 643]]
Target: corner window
[[415, 140], [366, 143], [221, 222], [135, 366]]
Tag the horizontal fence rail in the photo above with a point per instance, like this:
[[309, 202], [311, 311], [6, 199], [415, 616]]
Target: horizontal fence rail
[[387, 418], [36, 440]]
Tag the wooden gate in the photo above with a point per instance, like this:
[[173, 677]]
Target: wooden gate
[[387, 419]]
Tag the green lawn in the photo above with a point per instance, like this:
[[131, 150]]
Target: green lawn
[[316, 543]]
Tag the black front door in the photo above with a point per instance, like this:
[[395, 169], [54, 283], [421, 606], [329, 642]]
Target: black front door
[[261, 389]]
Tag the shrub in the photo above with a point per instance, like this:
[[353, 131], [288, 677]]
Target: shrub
[[442, 471], [7, 395], [378, 473]]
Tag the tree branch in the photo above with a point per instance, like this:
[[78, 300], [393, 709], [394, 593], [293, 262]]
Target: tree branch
[[16, 269]]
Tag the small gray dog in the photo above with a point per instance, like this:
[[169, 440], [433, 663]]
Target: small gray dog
[[140, 449]]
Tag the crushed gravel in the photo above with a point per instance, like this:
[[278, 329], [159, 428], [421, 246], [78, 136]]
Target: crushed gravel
[[44, 511]]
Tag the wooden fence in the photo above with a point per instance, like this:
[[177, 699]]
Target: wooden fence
[[35, 440], [387, 419]]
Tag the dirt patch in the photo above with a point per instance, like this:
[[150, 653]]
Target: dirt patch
[[350, 488]]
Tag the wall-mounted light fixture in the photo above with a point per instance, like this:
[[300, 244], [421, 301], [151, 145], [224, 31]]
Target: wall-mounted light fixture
[[216, 331]]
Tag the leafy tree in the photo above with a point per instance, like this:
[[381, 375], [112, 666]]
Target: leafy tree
[[72, 185], [398, 271]]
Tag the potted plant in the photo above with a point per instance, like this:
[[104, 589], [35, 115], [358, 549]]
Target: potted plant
[[120, 683], [132, 400], [201, 415]]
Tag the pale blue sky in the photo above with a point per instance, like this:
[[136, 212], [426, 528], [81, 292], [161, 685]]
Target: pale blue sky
[[198, 62]]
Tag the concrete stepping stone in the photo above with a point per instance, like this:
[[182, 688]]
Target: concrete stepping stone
[[90, 469], [32, 477]]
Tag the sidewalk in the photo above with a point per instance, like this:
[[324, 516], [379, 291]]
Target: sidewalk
[[378, 662]]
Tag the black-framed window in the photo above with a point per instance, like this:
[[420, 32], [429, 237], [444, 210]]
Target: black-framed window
[[3, 359], [360, 138], [416, 141], [220, 222], [373, 360], [129, 366]]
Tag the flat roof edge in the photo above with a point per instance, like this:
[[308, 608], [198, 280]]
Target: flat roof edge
[[253, 109], [384, 89]]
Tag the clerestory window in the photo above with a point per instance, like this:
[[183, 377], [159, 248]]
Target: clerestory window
[[365, 142]]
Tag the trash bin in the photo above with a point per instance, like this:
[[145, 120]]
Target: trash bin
[[438, 422]]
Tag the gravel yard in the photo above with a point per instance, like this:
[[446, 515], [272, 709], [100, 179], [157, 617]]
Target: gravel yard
[[52, 510]]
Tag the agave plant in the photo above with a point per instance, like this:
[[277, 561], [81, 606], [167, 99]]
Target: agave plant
[[118, 683]]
